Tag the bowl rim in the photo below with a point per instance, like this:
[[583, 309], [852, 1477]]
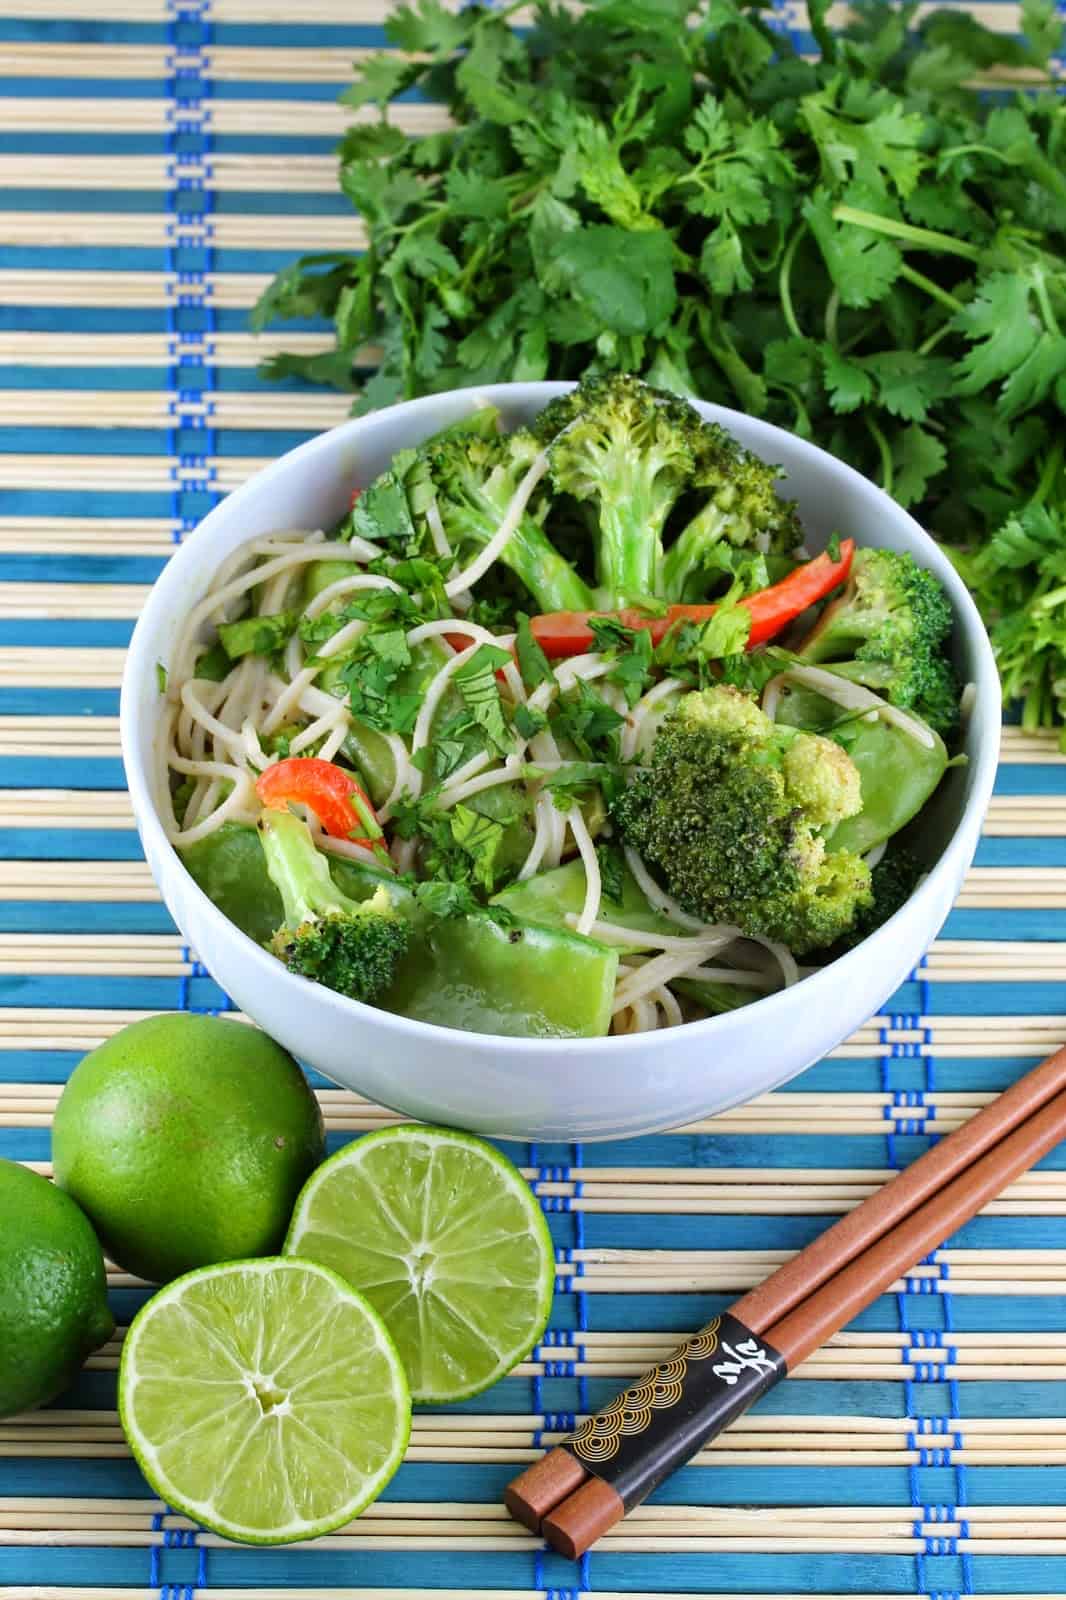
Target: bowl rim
[[169, 591]]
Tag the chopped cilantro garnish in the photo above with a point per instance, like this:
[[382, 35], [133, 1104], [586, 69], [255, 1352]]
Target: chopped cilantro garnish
[[476, 683], [533, 664]]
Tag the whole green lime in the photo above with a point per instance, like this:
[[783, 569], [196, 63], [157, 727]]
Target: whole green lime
[[53, 1291], [186, 1139]]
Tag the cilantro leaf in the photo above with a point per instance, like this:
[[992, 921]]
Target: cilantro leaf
[[917, 457], [479, 838], [625, 279], [590, 724], [533, 664], [632, 655], [214, 664], [476, 683], [612, 871]]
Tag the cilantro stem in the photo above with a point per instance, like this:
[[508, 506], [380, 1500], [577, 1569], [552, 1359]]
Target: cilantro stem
[[832, 307], [783, 284], [1043, 301], [884, 450], [930, 344], [921, 238], [970, 150], [935, 292], [1048, 473]]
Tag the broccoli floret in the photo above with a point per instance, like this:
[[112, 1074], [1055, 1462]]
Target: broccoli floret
[[729, 810], [741, 509], [888, 631], [349, 945], [473, 480], [626, 449], [893, 881]]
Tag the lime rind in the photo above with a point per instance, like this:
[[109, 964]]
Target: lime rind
[[461, 1331], [202, 1511]]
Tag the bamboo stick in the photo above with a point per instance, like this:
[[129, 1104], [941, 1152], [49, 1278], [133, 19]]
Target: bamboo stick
[[33, 601], [249, 174], [302, 1592], [230, 291], [136, 408], [46, 808], [129, 350], [121, 114], [152, 474], [223, 63]]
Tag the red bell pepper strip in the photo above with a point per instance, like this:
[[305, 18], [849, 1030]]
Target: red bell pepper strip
[[331, 793], [567, 633], [355, 495]]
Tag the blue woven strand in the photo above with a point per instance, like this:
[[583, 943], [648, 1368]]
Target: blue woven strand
[[577, 1157], [153, 1563], [191, 322], [189, 349], [944, 1426]]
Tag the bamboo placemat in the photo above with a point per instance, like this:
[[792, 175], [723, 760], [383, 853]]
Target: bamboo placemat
[[158, 160]]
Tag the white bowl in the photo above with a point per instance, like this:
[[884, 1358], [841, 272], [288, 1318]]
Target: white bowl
[[539, 1088]]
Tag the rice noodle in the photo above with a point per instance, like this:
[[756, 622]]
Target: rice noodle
[[656, 897], [436, 531], [968, 698], [716, 938], [215, 600], [736, 975], [664, 999], [587, 850], [352, 852], [542, 817], [661, 969], [454, 794], [364, 550], [290, 695], [853, 697], [432, 696], [637, 733], [333, 591]]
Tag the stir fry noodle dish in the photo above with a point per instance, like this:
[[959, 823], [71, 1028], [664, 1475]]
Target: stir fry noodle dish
[[562, 731]]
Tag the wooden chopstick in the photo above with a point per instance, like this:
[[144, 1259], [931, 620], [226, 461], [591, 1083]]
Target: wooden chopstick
[[819, 1290], [590, 1510]]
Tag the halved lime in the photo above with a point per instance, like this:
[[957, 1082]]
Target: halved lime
[[265, 1399], [443, 1236]]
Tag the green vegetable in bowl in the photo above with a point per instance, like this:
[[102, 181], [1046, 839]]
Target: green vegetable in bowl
[[732, 808], [590, 819], [471, 972], [898, 771], [887, 631], [352, 946]]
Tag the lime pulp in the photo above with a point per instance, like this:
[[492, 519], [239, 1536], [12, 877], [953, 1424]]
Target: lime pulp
[[445, 1239], [265, 1399]]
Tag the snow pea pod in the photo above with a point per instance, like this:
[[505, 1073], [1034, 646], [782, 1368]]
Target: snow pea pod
[[550, 897], [898, 773], [521, 980], [469, 972]]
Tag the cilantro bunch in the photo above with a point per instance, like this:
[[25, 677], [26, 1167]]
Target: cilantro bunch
[[864, 249]]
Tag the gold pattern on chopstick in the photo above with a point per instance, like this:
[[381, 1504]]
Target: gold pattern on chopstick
[[598, 1437]]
